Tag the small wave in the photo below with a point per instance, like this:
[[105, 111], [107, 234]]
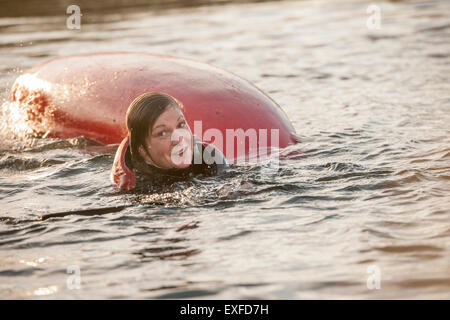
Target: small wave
[[407, 249], [20, 163], [187, 294], [166, 253]]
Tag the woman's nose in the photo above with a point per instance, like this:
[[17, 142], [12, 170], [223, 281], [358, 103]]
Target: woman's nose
[[177, 137]]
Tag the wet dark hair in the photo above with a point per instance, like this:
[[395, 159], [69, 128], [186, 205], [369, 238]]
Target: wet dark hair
[[141, 116]]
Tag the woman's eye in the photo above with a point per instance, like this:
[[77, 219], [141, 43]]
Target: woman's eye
[[182, 124], [161, 134]]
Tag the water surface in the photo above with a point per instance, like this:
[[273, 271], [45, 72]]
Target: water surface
[[369, 191]]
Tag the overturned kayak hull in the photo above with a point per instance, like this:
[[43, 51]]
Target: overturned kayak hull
[[88, 95]]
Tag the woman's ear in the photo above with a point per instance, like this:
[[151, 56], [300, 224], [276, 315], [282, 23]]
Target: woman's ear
[[144, 154]]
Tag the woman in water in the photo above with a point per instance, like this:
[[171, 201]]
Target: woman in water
[[160, 146]]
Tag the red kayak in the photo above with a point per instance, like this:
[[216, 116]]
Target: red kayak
[[88, 95]]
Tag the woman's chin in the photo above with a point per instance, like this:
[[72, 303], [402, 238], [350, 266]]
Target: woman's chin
[[181, 165], [182, 161]]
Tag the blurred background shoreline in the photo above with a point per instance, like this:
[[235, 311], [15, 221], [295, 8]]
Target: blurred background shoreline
[[33, 8]]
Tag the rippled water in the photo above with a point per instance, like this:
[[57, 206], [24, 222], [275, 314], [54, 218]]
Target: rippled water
[[367, 196]]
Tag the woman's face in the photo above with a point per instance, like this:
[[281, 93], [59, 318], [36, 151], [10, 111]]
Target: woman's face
[[169, 143]]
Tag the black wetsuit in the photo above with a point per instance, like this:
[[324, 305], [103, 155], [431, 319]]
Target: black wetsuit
[[151, 178]]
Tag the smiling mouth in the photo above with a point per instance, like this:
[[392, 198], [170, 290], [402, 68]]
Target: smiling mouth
[[182, 151]]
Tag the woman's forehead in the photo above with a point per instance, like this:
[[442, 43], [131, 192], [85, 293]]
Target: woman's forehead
[[171, 114]]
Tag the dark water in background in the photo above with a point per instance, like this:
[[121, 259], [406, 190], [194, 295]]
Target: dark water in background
[[371, 191]]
